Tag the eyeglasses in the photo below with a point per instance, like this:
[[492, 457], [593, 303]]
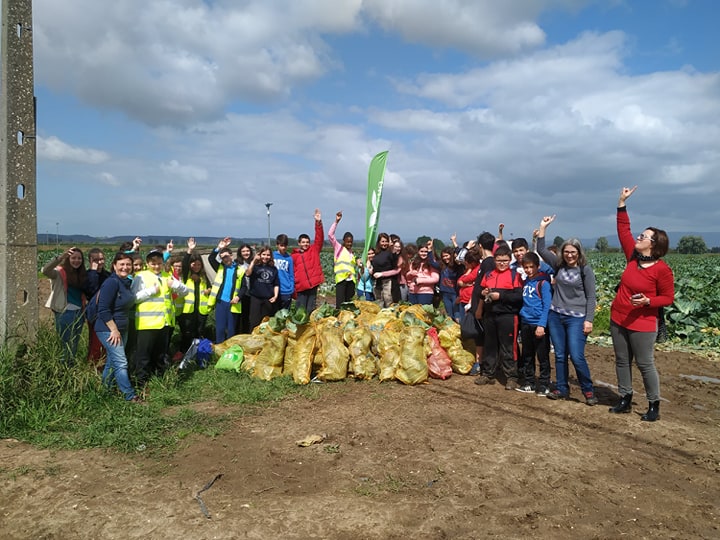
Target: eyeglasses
[[645, 237], [501, 261], [570, 253]]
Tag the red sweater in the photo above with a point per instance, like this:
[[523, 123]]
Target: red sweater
[[468, 279], [307, 265], [656, 282]]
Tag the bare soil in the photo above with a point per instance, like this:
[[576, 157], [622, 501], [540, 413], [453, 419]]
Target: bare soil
[[447, 459]]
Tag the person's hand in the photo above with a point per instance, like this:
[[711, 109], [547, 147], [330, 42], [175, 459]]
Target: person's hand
[[115, 338], [378, 275], [137, 241], [69, 252], [235, 299], [539, 331], [273, 299], [169, 246], [318, 216], [338, 216], [453, 239], [547, 220], [225, 242], [536, 233], [430, 244], [587, 327], [501, 227], [625, 194], [639, 299], [191, 244]]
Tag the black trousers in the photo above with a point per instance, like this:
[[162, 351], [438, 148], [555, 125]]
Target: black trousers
[[151, 354], [192, 325], [534, 347], [344, 292], [501, 333]]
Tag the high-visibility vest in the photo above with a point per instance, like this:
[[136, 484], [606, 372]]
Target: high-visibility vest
[[189, 305], [217, 283], [345, 266], [158, 311]]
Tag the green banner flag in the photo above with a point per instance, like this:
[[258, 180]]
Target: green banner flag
[[376, 177]]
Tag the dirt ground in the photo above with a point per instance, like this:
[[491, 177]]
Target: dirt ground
[[447, 459]]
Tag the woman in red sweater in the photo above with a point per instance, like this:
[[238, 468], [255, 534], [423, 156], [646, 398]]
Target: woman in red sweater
[[647, 283]]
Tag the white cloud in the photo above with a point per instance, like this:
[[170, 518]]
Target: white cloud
[[52, 148], [185, 173], [109, 179]]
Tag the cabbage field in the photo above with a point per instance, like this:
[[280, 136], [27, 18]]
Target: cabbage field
[[693, 320]]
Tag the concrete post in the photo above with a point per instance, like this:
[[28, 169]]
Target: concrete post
[[18, 223]]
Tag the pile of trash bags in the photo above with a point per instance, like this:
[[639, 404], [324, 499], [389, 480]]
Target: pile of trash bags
[[409, 343]]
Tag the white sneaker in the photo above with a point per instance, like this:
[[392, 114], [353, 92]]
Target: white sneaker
[[527, 389]]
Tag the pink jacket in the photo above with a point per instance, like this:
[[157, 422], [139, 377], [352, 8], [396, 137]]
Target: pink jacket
[[422, 280]]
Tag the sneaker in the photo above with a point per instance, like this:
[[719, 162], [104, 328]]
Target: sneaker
[[590, 398], [527, 389], [512, 385], [484, 379], [557, 394], [543, 391], [475, 369], [138, 400]]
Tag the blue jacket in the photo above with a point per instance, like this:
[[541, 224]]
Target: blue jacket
[[114, 302], [537, 297], [286, 272]]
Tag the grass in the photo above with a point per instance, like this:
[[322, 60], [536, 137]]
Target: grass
[[50, 405]]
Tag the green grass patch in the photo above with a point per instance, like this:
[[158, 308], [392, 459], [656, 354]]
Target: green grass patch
[[52, 405]]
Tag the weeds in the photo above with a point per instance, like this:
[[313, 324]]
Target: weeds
[[49, 404]]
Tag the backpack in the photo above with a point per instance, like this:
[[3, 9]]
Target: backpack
[[91, 308]]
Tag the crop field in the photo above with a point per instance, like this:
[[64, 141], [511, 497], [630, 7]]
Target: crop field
[[693, 319]]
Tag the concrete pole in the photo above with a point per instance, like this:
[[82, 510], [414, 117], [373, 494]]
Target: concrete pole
[[18, 224]]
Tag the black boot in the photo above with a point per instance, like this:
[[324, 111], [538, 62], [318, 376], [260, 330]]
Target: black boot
[[653, 412], [625, 405]]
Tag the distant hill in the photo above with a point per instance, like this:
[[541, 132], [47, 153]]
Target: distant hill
[[149, 240]]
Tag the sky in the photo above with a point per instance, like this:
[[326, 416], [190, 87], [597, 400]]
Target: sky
[[184, 117]]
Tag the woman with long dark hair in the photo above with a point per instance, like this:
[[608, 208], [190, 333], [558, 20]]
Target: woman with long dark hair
[[384, 268], [646, 285], [68, 294]]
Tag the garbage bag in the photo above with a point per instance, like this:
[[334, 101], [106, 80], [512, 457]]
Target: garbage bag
[[231, 359], [335, 355], [268, 363], [439, 362], [299, 354], [413, 367]]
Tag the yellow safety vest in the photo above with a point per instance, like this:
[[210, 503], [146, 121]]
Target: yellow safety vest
[[203, 306], [158, 311], [345, 266], [217, 282]]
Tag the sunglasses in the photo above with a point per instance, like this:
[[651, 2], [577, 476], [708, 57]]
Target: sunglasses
[[645, 237]]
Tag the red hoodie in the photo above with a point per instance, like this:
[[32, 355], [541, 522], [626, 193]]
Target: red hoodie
[[308, 268]]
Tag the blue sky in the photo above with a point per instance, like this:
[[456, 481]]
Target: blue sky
[[183, 117]]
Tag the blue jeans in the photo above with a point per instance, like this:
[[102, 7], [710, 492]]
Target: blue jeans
[[366, 295], [566, 334], [225, 321], [116, 366], [425, 299], [69, 326], [454, 311]]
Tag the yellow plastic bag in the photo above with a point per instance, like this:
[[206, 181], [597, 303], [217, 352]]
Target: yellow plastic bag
[[269, 362], [413, 368], [335, 355]]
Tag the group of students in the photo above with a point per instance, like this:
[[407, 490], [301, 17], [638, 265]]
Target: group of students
[[522, 300]]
